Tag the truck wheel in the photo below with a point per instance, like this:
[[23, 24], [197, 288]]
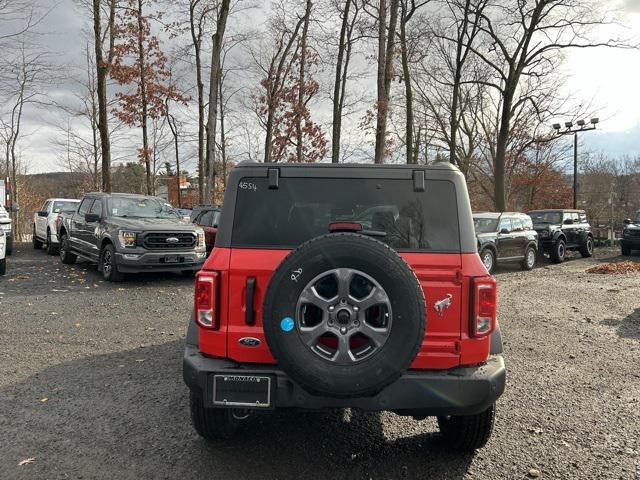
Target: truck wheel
[[3, 266], [344, 315], [108, 264], [626, 251], [488, 259], [212, 423], [66, 256], [468, 433], [51, 248], [37, 244], [587, 249], [558, 251], [529, 259]]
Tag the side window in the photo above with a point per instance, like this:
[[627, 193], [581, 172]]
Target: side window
[[85, 206], [575, 217], [505, 223], [527, 222], [206, 218], [45, 207], [96, 208], [583, 217], [517, 224]]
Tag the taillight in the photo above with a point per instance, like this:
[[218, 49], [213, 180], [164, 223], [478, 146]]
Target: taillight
[[206, 300], [483, 319]]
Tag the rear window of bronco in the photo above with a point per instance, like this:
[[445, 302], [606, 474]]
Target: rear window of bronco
[[303, 208]]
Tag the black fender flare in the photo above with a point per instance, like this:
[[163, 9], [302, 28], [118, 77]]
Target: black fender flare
[[496, 341], [192, 332]]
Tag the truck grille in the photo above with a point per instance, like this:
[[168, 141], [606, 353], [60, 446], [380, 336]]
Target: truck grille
[[167, 241]]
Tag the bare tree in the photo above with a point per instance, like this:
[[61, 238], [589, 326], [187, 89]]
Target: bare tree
[[386, 50], [524, 41], [214, 81], [408, 9], [350, 14], [103, 40]]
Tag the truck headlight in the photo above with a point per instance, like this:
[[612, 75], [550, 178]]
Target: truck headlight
[[127, 239], [625, 232], [544, 233], [200, 235]]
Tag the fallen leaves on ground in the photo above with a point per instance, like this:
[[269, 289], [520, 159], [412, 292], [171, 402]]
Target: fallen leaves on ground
[[612, 268], [26, 461]]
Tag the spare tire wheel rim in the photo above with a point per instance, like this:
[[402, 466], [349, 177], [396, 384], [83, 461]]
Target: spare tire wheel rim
[[344, 316]]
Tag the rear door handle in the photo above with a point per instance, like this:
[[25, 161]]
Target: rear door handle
[[249, 316]]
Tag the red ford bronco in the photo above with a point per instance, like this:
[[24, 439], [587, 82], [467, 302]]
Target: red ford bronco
[[350, 286]]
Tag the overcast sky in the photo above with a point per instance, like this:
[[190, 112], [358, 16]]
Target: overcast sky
[[607, 78]]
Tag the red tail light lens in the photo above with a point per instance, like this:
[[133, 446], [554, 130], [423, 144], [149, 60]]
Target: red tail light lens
[[483, 320], [206, 300]]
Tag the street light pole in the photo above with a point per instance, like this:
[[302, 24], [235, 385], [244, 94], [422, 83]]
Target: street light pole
[[569, 130]]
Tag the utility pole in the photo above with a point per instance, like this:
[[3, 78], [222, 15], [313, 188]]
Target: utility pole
[[569, 130]]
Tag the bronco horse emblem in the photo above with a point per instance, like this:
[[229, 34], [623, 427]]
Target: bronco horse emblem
[[441, 305]]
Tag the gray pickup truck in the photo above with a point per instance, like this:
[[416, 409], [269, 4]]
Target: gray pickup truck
[[126, 233]]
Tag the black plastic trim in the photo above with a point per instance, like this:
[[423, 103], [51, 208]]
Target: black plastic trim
[[457, 391], [249, 315], [274, 178]]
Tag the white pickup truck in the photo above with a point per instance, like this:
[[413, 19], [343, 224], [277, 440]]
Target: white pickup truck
[[3, 252], [44, 223]]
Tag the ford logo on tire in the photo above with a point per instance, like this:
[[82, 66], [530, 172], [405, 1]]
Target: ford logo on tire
[[172, 240], [249, 342]]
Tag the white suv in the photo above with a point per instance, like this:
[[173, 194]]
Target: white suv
[[44, 222], [3, 252], [5, 226]]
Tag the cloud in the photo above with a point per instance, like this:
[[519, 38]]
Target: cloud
[[631, 5]]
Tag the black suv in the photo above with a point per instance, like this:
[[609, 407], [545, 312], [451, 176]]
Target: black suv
[[562, 230], [506, 237], [631, 235], [125, 233]]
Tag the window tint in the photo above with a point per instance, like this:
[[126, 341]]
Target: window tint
[[505, 223], [85, 205], [206, 218], [303, 208], [96, 208], [62, 206]]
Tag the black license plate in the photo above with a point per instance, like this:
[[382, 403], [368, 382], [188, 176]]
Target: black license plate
[[171, 259], [242, 391]]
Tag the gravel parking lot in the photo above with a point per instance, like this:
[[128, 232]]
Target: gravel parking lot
[[91, 387]]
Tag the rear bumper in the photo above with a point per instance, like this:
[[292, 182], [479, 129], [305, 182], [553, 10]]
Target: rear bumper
[[458, 391], [156, 261]]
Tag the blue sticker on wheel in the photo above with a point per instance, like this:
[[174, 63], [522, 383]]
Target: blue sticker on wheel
[[286, 324]]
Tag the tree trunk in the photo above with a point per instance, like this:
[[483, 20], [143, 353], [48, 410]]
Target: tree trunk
[[301, 81], [501, 150], [408, 90], [338, 88], [102, 69], [214, 80], [143, 101], [386, 42], [223, 138], [197, 46]]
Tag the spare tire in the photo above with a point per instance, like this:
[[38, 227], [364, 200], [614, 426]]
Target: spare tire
[[344, 315]]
